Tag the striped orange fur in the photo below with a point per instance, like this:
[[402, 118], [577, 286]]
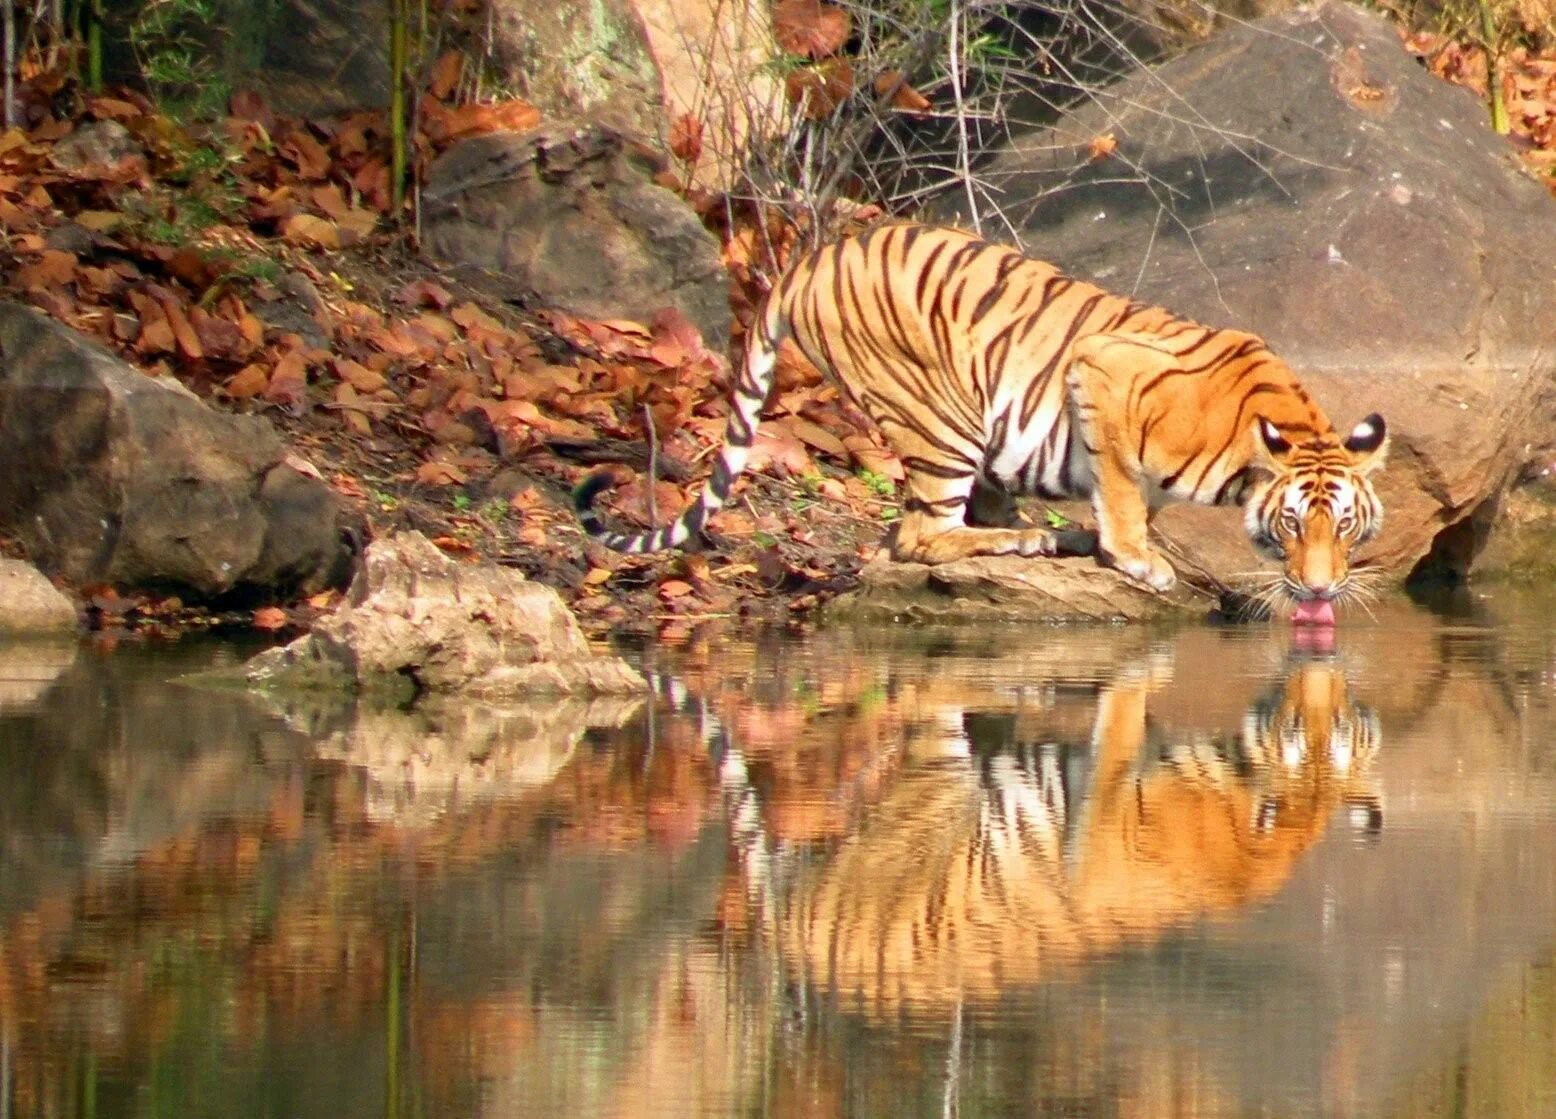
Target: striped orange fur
[[991, 374]]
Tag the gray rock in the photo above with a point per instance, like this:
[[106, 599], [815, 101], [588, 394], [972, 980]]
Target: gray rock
[[1307, 179], [570, 218], [567, 59], [1010, 589], [118, 477], [415, 621], [29, 603], [102, 143]]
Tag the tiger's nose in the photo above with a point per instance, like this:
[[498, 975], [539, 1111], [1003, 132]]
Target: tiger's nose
[[1322, 591]]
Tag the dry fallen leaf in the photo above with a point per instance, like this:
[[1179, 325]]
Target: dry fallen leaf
[[440, 473], [445, 74], [301, 465], [810, 28], [1101, 146], [269, 617], [903, 96], [686, 137], [288, 381], [311, 232], [813, 435], [248, 381]]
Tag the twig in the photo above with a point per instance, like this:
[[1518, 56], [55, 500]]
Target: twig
[[10, 63], [653, 465], [963, 154], [1492, 43]]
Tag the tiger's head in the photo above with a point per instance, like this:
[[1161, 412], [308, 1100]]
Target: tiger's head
[[1314, 503]]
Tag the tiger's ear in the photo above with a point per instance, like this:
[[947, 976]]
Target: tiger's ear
[[1368, 443], [1270, 447]]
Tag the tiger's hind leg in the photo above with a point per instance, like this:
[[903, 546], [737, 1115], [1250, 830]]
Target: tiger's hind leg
[[934, 526]]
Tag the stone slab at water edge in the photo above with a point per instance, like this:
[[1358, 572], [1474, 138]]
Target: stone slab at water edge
[[415, 621], [1012, 589], [1303, 177]]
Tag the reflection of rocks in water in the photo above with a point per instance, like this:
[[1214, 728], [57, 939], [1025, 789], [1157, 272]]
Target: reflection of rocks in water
[[441, 754], [1005, 851], [28, 669]]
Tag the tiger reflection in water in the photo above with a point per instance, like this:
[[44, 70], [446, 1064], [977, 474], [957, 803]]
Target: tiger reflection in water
[[995, 862]]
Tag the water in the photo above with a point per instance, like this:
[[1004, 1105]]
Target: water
[[898, 873]]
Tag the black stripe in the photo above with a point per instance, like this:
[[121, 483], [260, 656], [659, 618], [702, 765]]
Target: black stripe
[[919, 505], [1237, 478], [923, 274], [937, 470], [997, 287], [1040, 382]]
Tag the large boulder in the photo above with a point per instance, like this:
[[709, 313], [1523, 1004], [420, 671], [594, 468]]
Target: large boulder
[[415, 622], [1305, 178], [570, 217], [114, 476]]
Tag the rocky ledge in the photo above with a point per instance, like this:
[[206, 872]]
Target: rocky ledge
[[1011, 589], [414, 622]]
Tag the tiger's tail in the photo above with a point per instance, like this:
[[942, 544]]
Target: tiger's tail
[[751, 389]]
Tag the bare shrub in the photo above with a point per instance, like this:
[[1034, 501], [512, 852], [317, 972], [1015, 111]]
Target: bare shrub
[[892, 103]]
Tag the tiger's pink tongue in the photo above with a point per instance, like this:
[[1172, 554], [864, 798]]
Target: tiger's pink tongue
[[1313, 612]]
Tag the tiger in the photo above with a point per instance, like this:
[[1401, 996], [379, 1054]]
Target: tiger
[[992, 375]]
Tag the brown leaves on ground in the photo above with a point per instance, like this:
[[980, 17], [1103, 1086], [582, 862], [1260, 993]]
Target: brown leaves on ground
[[1528, 88]]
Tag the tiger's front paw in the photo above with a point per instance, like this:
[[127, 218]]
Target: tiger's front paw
[[1150, 568]]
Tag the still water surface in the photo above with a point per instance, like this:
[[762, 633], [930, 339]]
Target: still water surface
[[1022, 872]]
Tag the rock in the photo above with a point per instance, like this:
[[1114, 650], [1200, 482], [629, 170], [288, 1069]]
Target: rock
[[415, 621], [1307, 179], [716, 61], [118, 477], [308, 58], [641, 64], [102, 143], [29, 603], [1010, 588], [570, 218], [1520, 545], [572, 59]]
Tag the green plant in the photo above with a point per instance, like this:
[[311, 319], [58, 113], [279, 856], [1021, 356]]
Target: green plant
[[879, 484], [171, 41], [1055, 519], [256, 269], [462, 502]]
